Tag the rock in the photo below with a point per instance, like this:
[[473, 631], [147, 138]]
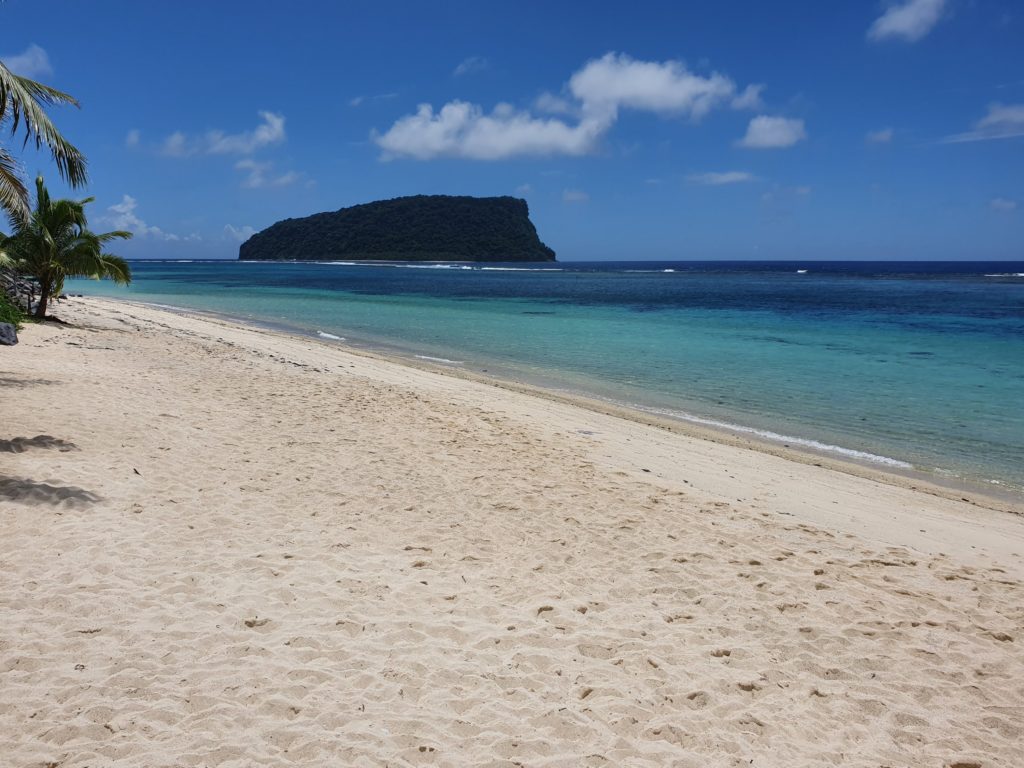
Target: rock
[[419, 228], [8, 336], [20, 291]]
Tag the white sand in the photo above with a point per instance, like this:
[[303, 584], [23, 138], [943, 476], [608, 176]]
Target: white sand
[[245, 549]]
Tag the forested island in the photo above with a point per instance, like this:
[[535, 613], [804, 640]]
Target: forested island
[[418, 228]]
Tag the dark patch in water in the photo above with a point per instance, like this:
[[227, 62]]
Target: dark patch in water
[[528, 312], [921, 354]]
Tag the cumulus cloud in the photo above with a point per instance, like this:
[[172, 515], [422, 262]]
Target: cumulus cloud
[[461, 129], [883, 136], [217, 142], [717, 179], [750, 98], [470, 65], [32, 63], [574, 196], [1002, 204], [132, 138], [555, 105], [910, 20], [240, 234], [1003, 121], [766, 132], [122, 216], [615, 80], [259, 175], [596, 93]]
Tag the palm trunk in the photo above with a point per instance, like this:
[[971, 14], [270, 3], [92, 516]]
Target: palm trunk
[[41, 307], [44, 299]]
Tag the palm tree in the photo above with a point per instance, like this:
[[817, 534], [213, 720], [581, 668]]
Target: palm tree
[[55, 243], [22, 102]]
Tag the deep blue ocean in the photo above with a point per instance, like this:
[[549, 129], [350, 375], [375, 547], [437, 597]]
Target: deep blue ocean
[[913, 364]]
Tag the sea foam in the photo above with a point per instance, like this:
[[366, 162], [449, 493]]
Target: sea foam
[[440, 360], [777, 437]]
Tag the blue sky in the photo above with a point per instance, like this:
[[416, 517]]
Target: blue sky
[[740, 130]]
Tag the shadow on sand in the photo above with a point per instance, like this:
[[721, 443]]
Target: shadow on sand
[[13, 383], [30, 492], [22, 444]]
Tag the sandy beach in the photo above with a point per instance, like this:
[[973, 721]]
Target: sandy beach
[[225, 546]]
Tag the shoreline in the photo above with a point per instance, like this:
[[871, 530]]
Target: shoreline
[[976, 492]]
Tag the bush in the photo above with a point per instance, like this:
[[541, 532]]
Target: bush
[[9, 312]]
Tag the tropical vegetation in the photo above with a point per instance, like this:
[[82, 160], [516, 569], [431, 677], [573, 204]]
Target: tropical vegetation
[[55, 243], [10, 312], [22, 104]]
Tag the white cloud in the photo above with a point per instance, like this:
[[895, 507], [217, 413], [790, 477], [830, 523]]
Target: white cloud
[[470, 65], [122, 216], [598, 91], [32, 63], [270, 131], [750, 98], [461, 129], [258, 175], [132, 138], [766, 132], [615, 80], [883, 136], [555, 105], [716, 179], [175, 145], [217, 142], [910, 20], [1003, 121], [356, 101], [241, 234], [574, 196], [523, 190], [1002, 204]]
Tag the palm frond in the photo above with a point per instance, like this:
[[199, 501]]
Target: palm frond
[[7, 260], [13, 194], [23, 100], [116, 269], [65, 213], [80, 260], [119, 234]]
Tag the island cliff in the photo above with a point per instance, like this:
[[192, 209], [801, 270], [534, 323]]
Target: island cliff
[[419, 228]]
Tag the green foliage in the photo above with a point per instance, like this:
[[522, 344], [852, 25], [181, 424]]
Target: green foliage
[[420, 228], [55, 243], [10, 312], [22, 103]]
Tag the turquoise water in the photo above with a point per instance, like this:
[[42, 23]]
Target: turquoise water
[[913, 365]]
